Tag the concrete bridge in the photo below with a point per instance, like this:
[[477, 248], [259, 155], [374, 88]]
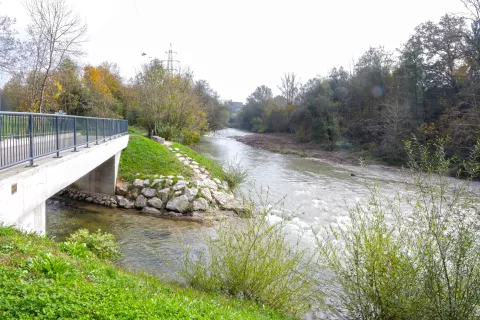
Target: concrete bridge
[[41, 154]]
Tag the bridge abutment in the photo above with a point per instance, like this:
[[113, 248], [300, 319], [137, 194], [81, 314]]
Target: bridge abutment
[[102, 179]]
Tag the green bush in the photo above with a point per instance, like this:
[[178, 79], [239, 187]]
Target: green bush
[[419, 263], [253, 259], [103, 245], [50, 266], [234, 173]]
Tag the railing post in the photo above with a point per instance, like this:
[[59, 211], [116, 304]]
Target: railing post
[[30, 124], [86, 126], [57, 137], [96, 131], [104, 135], [74, 134]]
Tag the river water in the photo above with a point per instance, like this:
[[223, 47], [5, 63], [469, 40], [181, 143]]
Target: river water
[[317, 193]]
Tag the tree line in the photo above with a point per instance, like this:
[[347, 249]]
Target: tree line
[[45, 76], [428, 87]]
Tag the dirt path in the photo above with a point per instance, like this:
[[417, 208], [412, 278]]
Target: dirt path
[[285, 144]]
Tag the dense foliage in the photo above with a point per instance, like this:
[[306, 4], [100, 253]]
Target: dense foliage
[[427, 87], [415, 255]]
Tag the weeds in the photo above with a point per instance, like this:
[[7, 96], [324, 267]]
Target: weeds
[[103, 245], [253, 259], [235, 174], [421, 263]]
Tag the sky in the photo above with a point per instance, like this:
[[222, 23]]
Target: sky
[[239, 45]]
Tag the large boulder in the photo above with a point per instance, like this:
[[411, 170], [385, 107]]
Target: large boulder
[[205, 192], [150, 210], [191, 193], [141, 201], [200, 205], [149, 192], [163, 194], [155, 202], [179, 204]]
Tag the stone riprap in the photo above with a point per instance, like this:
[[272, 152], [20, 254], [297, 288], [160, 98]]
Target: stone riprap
[[170, 196]]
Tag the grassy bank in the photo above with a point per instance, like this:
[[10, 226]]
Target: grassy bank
[[144, 158], [39, 280]]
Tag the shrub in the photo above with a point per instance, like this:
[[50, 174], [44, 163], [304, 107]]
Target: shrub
[[103, 245], [421, 263], [234, 173], [50, 266], [252, 259]]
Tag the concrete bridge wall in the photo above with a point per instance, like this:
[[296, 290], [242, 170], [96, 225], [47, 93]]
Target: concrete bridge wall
[[24, 190]]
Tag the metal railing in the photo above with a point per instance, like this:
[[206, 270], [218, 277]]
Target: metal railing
[[25, 137]]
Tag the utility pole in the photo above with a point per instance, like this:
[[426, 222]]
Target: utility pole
[[171, 63]]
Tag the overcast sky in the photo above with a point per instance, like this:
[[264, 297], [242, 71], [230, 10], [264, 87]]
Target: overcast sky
[[238, 45]]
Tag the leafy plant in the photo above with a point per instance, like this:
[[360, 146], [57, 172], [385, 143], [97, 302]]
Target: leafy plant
[[253, 259], [103, 245], [415, 256], [50, 266]]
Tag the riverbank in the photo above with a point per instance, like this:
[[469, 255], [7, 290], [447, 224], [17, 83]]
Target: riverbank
[[287, 144], [48, 280], [167, 180]]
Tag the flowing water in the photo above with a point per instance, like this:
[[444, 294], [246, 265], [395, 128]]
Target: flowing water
[[316, 192]]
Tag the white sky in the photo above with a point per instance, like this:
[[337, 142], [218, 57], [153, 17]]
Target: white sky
[[238, 45]]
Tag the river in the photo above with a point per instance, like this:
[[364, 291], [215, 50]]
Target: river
[[317, 193]]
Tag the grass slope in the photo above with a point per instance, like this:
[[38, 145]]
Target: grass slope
[[147, 158], [215, 169], [39, 281]]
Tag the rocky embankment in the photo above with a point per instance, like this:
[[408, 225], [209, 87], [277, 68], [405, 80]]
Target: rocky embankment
[[170, 196]]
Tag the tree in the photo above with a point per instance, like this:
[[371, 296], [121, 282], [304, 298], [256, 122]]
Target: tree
[[8, 44], [55, 33], [289, 87]]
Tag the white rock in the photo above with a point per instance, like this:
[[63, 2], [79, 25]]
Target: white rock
[[179, 204], [217, 181], [178, 154], [138, 183], [191, 193], [205, 192], [163, 194], [181, 158], [155, 202], [200, 204], [180, 185], [141, 201], [149, 192], [180, 178], [210, 184], [176, 149], [146, 182], [170, 177], [222, 198], [150, 210], [197, 183], [168, 182]]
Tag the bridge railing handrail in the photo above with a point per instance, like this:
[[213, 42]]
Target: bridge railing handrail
[[26, 136]]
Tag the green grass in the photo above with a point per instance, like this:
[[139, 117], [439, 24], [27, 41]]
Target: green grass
[[39, 281], [214, 168], [147, 158]]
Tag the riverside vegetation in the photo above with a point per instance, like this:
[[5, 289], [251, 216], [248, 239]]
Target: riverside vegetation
[[42, 279]]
